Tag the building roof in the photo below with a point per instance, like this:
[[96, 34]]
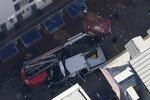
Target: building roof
[[141, 65], [136, 45], [131, 91], [6, 10], [73, 93], [124, 57], [123, 75]]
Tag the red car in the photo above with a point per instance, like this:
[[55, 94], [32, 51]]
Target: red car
[[34, 73], [35, 80]]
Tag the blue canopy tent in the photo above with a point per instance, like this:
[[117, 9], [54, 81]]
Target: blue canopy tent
[[8, 51], [76, 8], [54, 23], [30, 37]]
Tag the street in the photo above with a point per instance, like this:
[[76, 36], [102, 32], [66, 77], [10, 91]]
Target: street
[[133, 21]]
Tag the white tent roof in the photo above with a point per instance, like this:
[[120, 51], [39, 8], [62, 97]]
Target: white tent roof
[[73, 93], [141, 65], [76, 63]]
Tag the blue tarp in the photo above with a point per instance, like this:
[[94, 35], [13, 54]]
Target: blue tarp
[[30, 37], [54, 23], [8, 51], [76, 8]]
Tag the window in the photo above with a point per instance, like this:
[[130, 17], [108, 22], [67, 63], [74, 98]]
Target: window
[[19, 17], [44, 0], [30, 1], [22, 3], [11, 20], [13, 0], [23, 12], [4, 27], [27, 9], [17, 7]]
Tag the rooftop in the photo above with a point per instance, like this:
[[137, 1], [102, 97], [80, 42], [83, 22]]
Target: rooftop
[[133, 93], [74, 93], [6, 10], [124, 57], [141, 65], [123, 75]]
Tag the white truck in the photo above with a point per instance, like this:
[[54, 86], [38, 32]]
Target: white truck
[[81, 52]]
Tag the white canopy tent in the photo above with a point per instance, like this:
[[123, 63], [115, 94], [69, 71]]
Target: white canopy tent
[[74, 93]]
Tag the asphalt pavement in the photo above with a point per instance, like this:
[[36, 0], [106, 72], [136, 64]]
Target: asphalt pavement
[[133, 21]]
